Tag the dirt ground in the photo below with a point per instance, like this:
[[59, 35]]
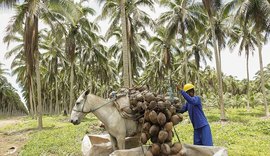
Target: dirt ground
[[11, 144]]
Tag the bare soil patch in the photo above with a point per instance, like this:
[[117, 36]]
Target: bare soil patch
[[11, 144]]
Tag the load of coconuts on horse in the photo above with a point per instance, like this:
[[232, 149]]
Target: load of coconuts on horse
[[138, 122]]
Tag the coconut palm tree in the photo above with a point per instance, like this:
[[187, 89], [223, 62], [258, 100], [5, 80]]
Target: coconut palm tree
[[246, 36], [211, 7], [257, 12], [160, 62], [133, 20], [179, 19]]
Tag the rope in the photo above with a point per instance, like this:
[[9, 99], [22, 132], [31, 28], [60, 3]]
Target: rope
[[176, 135], [92, 110]]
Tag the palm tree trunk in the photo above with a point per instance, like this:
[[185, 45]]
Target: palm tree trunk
[[185, 51], [248, 92], [56, 96], [217, 58], [125, 45], [129, 52], [71, 89], [263, 81], [31, 97], [51, 100], [34, 98], [35, 42]]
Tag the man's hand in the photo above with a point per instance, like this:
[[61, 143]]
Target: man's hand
[[178, 87]]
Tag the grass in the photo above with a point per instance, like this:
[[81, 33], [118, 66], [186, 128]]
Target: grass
[[245, 133]]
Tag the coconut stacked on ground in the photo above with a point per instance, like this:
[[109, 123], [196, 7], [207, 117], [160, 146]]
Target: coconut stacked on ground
[[158, 118]]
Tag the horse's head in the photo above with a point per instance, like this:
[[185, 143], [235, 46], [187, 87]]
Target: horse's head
[[78, 110]]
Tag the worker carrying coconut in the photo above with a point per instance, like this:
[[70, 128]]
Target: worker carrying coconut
[[202, 131]]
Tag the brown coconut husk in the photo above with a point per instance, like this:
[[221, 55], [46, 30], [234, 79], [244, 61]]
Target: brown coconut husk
[[149, 97], [153, 131], [144, 105], [162, 136], [139, 97], [154, 139], [172, 109], [146, 126], [165, 149], [153, 117], [160, 98], [175, 119], [161, 105], [144, 138], [141, 120], [152, 105], [168, 114], [176, 148], [170, 136], [161, 118], [155, 149], [168, 126], [146, 115], [167, 104]]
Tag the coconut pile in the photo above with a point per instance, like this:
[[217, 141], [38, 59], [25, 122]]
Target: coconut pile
[[158, 116]]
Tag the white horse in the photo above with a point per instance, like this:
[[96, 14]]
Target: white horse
[[117, 127]]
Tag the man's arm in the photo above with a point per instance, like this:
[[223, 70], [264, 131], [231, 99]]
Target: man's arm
[[182, 110], [191, 100]]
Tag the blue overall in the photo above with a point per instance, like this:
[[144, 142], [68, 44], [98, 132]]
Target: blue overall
[[202, 131]]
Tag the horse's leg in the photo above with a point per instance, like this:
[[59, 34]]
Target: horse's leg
[[121, 142], [113, 142]]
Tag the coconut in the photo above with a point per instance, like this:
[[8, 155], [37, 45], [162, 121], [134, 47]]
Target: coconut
[[139, 106], [159, 98], [181, 117], [149, 97], [154, 139], [170, 136], [152, 105], [144, 105], [161, 105], [176, 148], [175, 119], [168, 114], [178, 106], [153, 131], [167, 104], [153, 117], [165, 149], [133, 101], [144, 138], [176, 100], [168, 126], [146, 127], [172, 109], [162, 136], [155, 150], [139, 97], [141, 120], [146, 115], [161, 118], [148, 153]]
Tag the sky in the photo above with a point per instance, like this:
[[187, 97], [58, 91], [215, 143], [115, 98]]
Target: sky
[[232, 63]]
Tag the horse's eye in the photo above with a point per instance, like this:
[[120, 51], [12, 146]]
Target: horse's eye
[[77, 103]]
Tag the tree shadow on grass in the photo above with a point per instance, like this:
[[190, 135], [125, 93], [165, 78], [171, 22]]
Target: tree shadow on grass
[[30, 130], [213, 118], [252, 114]]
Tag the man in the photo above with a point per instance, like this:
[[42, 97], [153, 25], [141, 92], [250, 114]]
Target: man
[[202, 131]]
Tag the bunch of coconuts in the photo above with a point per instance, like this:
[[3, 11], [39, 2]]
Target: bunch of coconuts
[[158, 118]]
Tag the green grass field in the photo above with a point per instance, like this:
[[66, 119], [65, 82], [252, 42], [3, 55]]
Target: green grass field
[[246, 133]]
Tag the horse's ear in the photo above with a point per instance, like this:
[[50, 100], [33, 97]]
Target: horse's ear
[[86, 92]]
